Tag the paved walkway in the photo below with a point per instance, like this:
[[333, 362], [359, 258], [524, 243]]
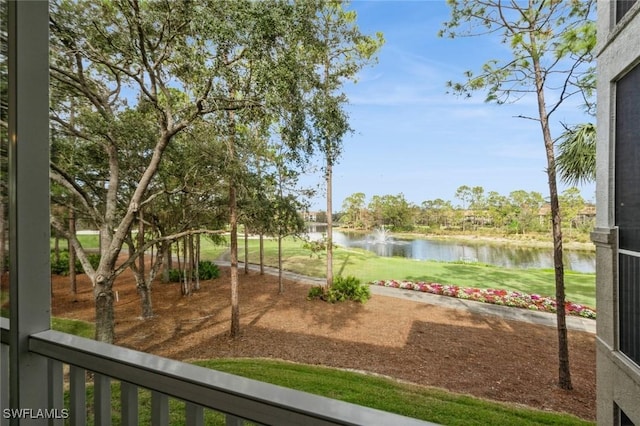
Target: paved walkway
[[514, 314]]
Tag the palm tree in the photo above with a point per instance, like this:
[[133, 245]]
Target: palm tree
[[576, 160]]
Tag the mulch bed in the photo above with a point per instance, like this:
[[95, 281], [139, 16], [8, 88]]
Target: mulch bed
[[484, 356]]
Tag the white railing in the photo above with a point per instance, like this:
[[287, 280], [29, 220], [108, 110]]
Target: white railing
[[238, 398]]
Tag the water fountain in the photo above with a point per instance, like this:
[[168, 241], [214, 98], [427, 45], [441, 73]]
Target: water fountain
[[380, 236]]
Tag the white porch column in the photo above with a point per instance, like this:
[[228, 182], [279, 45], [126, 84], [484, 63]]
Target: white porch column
[[30, 279]]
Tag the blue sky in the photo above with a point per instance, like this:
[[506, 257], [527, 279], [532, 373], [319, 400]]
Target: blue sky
[[412, 137]]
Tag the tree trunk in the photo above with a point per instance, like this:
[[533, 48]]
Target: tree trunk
[[196, 263], [141, 243], [145, 300], [143, 283], [235, 308], [181, 266], [144, 291], [280, 282], [103, 287], [178, 256], [188, 264], [56, 248], [261, 254], [329, 224], [186, 272], [246, 250], [72, 255], [166, 250], [233, 221], [564, 371], [191, 263], [105, 321]]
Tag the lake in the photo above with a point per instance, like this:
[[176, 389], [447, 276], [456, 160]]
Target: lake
[[504, 255]]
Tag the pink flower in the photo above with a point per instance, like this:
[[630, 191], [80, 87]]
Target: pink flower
[[498, 297]]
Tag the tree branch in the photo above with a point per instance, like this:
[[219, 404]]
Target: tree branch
[[60, 176], [132, 257]]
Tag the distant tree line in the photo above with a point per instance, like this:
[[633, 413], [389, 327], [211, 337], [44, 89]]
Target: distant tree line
[[517, 213]]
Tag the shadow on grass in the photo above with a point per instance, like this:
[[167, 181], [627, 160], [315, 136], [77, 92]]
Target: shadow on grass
[[344, 263]]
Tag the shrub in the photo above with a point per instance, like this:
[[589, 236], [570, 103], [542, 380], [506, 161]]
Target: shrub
[[315, 292], [61, 266], [343, 288], [175, 276], [349, 288], [207, 270]]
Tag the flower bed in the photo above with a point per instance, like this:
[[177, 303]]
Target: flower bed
[[497, 297]]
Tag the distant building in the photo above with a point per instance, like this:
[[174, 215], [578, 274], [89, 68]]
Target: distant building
[[317, 216], [588, 213], [617, 233]]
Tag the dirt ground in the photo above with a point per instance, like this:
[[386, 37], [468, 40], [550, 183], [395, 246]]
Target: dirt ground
[[484, 356]]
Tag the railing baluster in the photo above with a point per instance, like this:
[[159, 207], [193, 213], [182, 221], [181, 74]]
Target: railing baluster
[[102, 399], [194, 414], [233, 421], [246, 400], [78, 396], [56, 389], [4, 381], [129, 404], [159, 409]]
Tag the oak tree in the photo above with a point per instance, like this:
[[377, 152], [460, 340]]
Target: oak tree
[[172, 58]]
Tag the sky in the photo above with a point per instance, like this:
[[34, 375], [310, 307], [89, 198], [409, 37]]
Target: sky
[[412, 137]]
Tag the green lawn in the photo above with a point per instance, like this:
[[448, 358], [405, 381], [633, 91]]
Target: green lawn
[[91, 242], [88, 241], [76, 327], [368, 267], [435, 405], [420, 402]]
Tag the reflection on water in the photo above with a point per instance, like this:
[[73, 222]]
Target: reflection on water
[[448, 251]]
